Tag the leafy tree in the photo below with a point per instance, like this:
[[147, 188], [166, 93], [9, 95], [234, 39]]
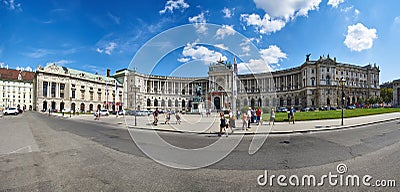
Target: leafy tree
[[387, 94], [360, 100]]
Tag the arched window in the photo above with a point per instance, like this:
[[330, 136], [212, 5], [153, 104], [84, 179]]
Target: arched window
[[169, 103], [155, 102], [148, 102], [176, 103]]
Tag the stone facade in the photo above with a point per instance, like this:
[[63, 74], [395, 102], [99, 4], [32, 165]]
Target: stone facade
[[396, 93], [314, 83], [16, 88], [59, 88]]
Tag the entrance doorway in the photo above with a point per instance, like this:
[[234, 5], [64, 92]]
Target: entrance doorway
[[217, 103]]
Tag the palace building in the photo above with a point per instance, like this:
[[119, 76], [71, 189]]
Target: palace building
[[314, 83], [16, 88], [57, 88]]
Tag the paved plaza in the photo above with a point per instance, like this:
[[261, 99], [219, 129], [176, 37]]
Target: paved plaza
[[210, 124]]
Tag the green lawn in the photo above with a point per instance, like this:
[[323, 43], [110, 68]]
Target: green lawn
[[318, 115]]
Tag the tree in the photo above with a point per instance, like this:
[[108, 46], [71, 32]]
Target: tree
[[361, 100], [387, 94]]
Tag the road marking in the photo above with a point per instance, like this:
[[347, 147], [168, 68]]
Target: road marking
[[15, 151]]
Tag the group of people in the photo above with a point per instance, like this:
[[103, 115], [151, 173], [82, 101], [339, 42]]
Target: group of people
[[225, 124], [167, 117], [251, 116]]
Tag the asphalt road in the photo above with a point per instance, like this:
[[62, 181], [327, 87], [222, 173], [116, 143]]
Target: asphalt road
[[87, 156]]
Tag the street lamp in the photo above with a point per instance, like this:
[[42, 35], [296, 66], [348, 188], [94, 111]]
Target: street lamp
[[135, 91], [70, 103], [342, 81]]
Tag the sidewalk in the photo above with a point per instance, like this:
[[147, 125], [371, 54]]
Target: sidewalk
[[207, 125]]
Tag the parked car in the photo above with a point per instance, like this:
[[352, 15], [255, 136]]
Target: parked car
[[332, 108], [66, 110], [350, 107], [11, 111], [305, 109], [282, 109], [122, 112], [313, 109], [104, 112]]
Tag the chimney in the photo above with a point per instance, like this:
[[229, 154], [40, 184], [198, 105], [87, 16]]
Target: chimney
[[108, 72]]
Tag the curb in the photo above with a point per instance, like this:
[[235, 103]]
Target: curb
[[272, 133], [255, 133]]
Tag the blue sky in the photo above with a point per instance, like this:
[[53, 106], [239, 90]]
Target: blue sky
[[154, 35]]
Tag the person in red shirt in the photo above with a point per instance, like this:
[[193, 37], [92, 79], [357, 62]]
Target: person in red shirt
[[258, 114]]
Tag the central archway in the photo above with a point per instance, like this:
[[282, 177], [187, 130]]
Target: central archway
[[217, 103]]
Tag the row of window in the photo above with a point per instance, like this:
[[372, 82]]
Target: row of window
[[19, 96]]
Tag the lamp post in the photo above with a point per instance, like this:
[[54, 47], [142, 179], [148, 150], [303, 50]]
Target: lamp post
[[70, 110], [135, 89], [342, 81]]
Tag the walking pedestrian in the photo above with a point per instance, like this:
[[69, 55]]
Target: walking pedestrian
[[272, 117], [167, 117], [231, 120], [291, 113], [258, 116], [178, 118], [244, 121], [222, 124], [249, 115], [155, 116]]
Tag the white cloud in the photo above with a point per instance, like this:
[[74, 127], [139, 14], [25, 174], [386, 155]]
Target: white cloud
[[356, 12], [199, 22], [62, 62], [264, 25], [108, 49], [287, 8], [12, 5], [221, 46], [335, 3], [99, 50], [272, 54], [174, 4], [183, 59], [269, 60], [3, 65], [224, 30], [397, 20], [197, 52], [346, 9], [39, 53], [114, 18], [245, 45], [24, 69], [228, 13], [359, 37]]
